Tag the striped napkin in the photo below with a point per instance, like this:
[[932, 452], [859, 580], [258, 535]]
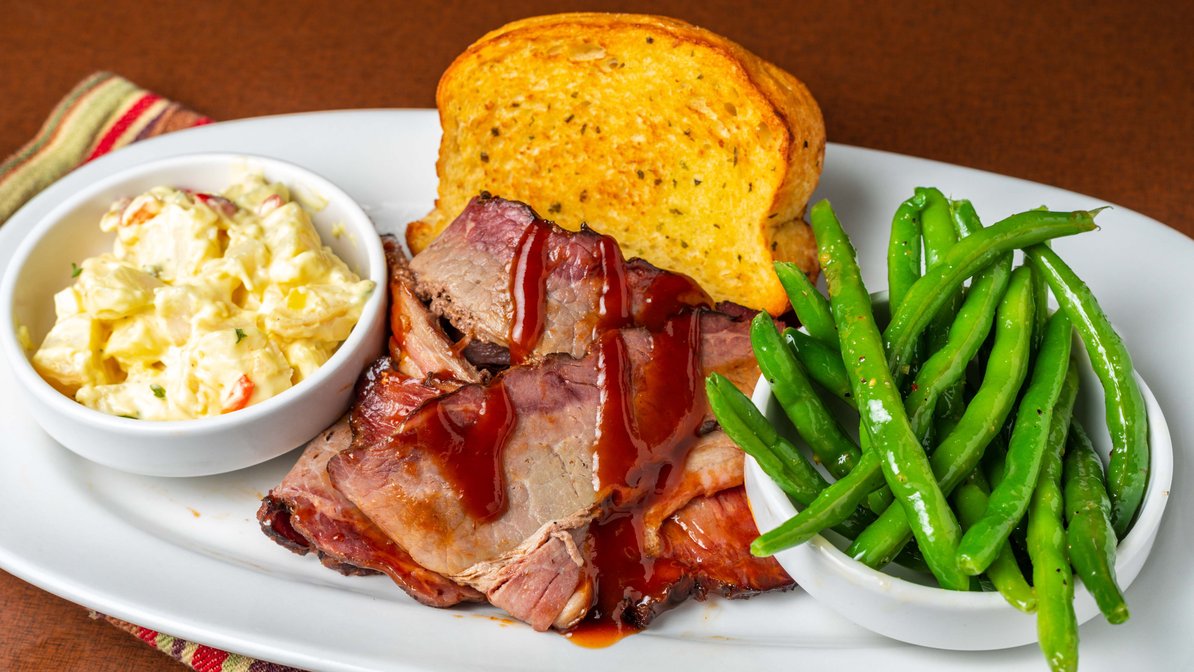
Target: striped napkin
[[103, 113], [195, 656]]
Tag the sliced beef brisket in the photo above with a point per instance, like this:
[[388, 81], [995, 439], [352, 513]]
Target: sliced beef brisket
[[465, 478], [470, 275], [344, 539], [536, 492]]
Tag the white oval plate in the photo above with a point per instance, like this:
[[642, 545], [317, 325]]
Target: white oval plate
[[185, 556]]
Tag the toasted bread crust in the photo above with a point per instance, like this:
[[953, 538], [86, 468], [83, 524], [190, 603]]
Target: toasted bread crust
[[523, 108]]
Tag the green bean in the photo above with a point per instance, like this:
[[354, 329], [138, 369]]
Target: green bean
[[920, 213], [937, 226], [799, 400], [806, 525], [969, 256], [947, 366], [950, 406], [1056, 624], [965, 219], [825, 366], [960, 451], [782, 462], [810, 306], [944, 377], [1089, 534], [880, 500], [1040, 288], [835, 504], [1044, 399], [992, 469], [746, 426], [944, 371], [995, 459], [966, 222], [905, 465], [903, 249], [1004, 572], [839, 499], [822, 363], [1127, 418]]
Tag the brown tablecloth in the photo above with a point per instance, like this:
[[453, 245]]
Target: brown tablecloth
[[1093, 97]]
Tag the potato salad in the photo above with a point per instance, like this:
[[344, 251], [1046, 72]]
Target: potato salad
[[207, 304]]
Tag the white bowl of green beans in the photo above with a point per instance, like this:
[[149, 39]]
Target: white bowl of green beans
[[978, 501], [906, 604]]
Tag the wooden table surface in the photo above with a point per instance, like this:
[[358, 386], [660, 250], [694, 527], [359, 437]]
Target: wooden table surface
[[1095, 97]]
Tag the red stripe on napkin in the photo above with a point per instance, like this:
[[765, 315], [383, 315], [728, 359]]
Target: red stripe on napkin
[[122, 125]]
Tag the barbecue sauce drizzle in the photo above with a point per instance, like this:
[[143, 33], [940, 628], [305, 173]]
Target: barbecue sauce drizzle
[[528, 290], [645, 430], [470, 451], [614, 305], [667, 295], [644, 435]]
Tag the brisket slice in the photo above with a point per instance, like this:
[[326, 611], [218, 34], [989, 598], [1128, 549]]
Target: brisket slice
[[711, 536], [400, 485], [417, 343], [465, 274], [524, 558], [707, 551], [306, 513], [309, 514], [385, 397]]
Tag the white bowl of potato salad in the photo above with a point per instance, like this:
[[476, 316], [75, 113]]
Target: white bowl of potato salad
[[195, 315]]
